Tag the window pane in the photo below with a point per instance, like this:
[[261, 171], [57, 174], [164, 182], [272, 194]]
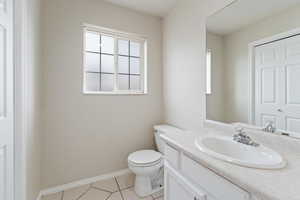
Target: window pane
[[107, 82], [123, 64], [107, 63], [134, 66], [92, 81], [134, 49], [123, 82], [92, 42], [135, 82], [92, 62], [123, 47], [107, 44]]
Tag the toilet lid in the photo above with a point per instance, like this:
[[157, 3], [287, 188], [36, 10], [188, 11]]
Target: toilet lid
[[144, 157]]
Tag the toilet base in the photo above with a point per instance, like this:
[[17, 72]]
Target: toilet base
[[147, 185], [142, 186]]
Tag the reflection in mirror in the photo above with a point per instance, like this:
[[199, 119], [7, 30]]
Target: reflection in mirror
[[253, 64]]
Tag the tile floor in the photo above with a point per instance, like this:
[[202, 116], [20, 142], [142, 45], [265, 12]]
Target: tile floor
[[117, 188]]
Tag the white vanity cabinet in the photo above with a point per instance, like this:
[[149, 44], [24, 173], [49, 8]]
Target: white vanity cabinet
[[186, 179], [179, 188]]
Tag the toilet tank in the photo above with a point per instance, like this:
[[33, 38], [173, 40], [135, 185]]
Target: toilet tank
[[163, 129]]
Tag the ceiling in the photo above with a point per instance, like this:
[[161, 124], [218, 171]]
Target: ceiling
[[245, 12], [154, 7]]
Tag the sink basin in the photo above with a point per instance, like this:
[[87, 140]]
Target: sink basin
[[226, 149]]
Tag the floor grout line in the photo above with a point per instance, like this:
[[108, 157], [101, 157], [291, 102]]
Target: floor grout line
[[108, 196], [100, 189], [62, 195], [84, 193], [119, 188], [127, 188]]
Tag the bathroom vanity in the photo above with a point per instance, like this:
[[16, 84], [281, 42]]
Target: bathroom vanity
[[185, 178], [192, 174]]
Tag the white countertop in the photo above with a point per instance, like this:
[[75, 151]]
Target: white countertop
[[282, 184]]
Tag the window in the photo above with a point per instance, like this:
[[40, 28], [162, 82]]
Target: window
[[208, 72], [114, 62]]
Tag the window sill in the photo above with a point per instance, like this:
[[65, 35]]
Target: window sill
[[116, 93]]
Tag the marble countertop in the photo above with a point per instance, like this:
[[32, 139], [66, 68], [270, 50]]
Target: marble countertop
[[279, 184]]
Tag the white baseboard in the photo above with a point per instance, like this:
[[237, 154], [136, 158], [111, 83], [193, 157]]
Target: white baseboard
[[86, 181]]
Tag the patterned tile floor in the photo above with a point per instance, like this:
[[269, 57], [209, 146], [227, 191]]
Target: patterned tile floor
[[117, 188]]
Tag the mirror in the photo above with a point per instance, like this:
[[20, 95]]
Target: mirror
[[253, 64]]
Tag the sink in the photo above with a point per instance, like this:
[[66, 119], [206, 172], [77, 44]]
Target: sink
[[226, 149]]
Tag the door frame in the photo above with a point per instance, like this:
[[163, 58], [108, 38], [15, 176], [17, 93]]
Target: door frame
[[251, 67], [20, 104]]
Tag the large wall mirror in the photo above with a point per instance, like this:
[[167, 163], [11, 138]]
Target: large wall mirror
[[253, 64]]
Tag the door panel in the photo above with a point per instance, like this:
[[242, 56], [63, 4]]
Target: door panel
[[292, 83], [6, 101], [269, 55], [2, 5], [293, 124], [2, 173], [2, 71], [268, 80], [292, 49], [269, 60], [291, 78]]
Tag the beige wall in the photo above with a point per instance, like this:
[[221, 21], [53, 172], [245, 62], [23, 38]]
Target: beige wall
[[184, 62], [32, 93], [90, 135], [236, 59], [215, 101]]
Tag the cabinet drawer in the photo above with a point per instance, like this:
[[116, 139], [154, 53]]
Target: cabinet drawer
[[172, 156], [212, 183]]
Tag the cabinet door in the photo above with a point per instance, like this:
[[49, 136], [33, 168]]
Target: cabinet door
[[178, 188]]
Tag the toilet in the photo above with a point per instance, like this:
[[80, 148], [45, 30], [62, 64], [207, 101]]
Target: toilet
[[147, 165]]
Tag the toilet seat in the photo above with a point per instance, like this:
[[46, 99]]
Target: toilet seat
[[145, 158]]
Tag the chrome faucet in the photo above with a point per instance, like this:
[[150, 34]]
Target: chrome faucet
[[269, 127], [241, 137]]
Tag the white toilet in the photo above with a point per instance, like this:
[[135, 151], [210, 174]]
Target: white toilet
[[147, 165]]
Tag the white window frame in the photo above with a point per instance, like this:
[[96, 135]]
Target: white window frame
[[125, 36], [208, 72]]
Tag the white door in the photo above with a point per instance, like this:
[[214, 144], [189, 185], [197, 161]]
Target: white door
[[178, 188], [6, 101], [277, 90]]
